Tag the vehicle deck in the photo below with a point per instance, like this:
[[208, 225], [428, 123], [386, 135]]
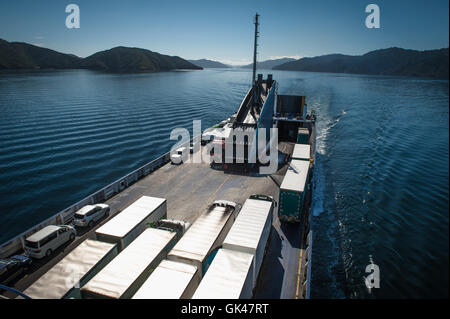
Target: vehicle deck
[[189, 188]]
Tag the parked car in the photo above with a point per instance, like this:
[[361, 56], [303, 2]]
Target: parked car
[[12, 267], [90, 214], [45, 241]]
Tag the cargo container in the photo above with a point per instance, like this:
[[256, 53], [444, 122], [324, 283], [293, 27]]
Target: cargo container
[[170, 280], [73, 271], [292, 191], [250, 232], [131, 222], [230, 276], [205, 235], [301, 152], [125, 274], [303, 135]]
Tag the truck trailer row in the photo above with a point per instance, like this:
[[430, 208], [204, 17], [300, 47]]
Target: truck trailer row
[[135, 261]]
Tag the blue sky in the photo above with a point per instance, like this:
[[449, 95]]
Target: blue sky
[[223, 30]]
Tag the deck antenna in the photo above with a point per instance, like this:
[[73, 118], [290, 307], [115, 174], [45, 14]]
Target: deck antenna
[[255, 93]]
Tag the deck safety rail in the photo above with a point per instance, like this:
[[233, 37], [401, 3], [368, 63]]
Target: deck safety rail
[[308, 268], [14, 291]]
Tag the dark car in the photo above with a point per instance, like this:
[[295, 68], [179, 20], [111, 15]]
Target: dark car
[[12, 267]]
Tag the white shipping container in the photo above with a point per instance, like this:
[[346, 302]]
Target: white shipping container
[[250, 232], [131, 222], [296, 176], [301, 152], [170, 280], [124, 275], [230, 276], [204, 236], [73, 271]]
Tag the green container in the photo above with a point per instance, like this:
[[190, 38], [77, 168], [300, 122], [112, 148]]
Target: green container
[[292, 191], [291, 205], [303, 136]]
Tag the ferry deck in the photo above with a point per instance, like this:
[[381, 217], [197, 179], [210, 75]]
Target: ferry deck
[[189, 188]]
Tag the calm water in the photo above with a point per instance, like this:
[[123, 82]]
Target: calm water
[[381, 171]]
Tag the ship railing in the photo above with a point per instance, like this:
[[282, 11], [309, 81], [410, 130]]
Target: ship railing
[[308, 266]]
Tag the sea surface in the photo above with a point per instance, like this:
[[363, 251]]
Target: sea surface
[[381, 180]]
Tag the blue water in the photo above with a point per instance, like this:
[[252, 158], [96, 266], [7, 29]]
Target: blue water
[[381, 178]]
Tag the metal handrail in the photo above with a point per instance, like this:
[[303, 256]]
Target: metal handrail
[[14, 291]]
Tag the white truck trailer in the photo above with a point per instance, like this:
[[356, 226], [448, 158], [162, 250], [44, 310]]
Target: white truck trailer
[[125, 274], [65, 278], [250, 232], [301, 152], [230, 276], [205, 235], [170, 280], [131, 222]]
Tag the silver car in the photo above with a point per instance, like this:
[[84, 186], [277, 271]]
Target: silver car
[[90, 214]]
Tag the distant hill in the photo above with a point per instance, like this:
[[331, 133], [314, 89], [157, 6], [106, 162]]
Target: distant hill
[[392, 61], [206, 64], [123, 59], [268, 64], [16, 55]]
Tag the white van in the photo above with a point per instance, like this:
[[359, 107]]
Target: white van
[[45, 241]]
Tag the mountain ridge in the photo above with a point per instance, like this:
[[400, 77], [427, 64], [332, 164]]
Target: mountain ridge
[[20, 55], [268, 64], [390, 61], [126, 59], [206, 64]]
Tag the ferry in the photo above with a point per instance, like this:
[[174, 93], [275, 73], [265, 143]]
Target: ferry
[[229, 228]]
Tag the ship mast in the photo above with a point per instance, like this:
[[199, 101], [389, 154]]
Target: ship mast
[[255, 48], [255, 51]]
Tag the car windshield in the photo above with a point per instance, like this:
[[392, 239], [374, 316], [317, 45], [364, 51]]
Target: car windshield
[[31, 244], [78, 216]]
